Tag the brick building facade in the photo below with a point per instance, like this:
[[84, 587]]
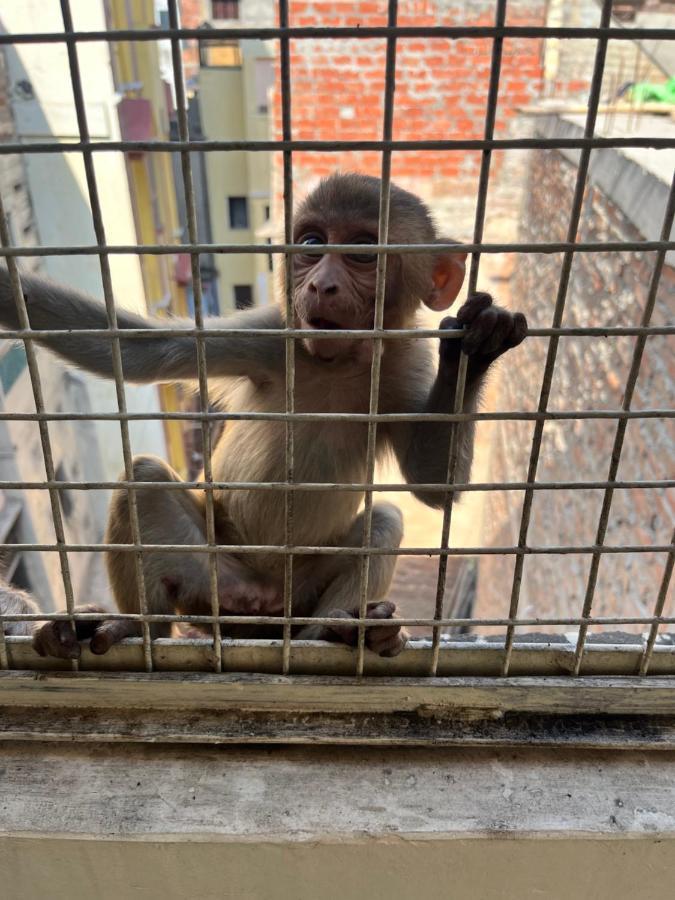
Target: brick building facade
[[441, 88]]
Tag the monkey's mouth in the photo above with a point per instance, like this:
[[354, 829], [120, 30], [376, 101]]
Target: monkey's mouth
[[325, 349], [324, 324]]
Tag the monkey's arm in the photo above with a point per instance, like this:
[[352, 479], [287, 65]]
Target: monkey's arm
[[151, 359], [422, 448]]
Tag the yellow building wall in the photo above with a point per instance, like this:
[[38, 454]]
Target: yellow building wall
[[229, 112], [152, 188]]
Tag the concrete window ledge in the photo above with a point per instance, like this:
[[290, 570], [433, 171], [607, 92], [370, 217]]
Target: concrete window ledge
[[195, 785], [117, 821]]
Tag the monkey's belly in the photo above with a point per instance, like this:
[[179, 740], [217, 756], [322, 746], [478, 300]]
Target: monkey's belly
[[320, 518]]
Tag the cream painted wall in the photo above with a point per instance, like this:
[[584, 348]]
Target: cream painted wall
[[229, 112], [487, 868], [222, 107]]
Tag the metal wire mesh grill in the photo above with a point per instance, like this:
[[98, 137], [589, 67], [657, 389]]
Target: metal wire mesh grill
[[390, 34]]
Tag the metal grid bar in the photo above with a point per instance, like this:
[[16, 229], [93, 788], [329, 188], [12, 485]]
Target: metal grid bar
[[521, 416], [309, 550], [343, 334], [606, 143], [575, 216], [655, 143], [358, 487], [286, 127], [188, 189], [319, 250], [622, 424], [378, 321], [453, 455], [391, 33], [99, 231], [312, 33], [529, 621]]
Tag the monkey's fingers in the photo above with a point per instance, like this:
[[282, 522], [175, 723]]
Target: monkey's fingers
[[486, 333], [57, 639], [474, 306], [519, 330], [449, 323], [493, 332], [387, 641]]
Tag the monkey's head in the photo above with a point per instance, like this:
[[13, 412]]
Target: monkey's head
[[337, 291]]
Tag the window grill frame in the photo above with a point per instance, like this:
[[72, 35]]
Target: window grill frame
[[647, 656]]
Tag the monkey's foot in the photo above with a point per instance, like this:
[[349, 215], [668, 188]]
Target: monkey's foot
[[242, 593], [62, 640], [386, 640]]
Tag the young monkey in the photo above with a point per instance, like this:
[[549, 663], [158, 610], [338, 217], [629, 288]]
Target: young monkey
[[331, 291]]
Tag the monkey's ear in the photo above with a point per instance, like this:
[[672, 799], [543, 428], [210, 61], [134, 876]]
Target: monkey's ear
[[447, 278]]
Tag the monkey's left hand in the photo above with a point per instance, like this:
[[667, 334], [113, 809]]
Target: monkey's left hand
[[489, 331]]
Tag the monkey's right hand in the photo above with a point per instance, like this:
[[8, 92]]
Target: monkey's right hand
[[489, 331]]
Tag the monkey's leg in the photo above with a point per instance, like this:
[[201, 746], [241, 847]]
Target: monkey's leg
[[173, 581], [339, 597]]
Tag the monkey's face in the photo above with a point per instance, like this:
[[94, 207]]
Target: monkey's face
[[335, 291]]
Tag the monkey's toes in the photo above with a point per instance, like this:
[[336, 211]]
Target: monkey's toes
[[389, 639], [392, 643], [57, 639], [106, 635]]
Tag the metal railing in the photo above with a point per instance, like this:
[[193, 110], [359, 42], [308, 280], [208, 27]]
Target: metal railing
[[390, 33]]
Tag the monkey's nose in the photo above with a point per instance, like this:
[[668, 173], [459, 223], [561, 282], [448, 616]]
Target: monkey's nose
[[323, 288]]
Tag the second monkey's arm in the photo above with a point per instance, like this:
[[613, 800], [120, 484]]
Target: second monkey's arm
[[145, 359], [422, 448]]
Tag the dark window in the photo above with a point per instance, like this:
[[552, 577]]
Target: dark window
[[243, 296], [267, 215], [238, 212], [225, 9], [270, 260]]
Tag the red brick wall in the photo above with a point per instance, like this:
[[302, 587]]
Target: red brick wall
[[605, 289], [191, 16], [441, 87]]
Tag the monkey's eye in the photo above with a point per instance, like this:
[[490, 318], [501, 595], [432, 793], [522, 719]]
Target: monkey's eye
[[312, 239], [365, 258]]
